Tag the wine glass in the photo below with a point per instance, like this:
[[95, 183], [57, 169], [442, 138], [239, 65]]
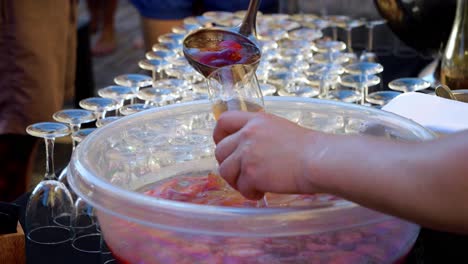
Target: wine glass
[[86, 240], [134, 108], [74, 118], [360, 82], [156, 66], [235, 87], [50, 206], [135, 81], [100, 106], [334, 21], [81, 134], [348, 25], [160, 54], [158, 96], [118, 93], [381, 98], [364, 69], [293, 84], [407, 85], [104, 121], [171, 38], [368, 54]]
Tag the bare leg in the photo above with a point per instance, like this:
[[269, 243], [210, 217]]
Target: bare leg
[[94, 13], [106, 42], [153, 28]]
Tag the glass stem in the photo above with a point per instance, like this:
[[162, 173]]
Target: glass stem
[[99, 115], [154, 74], [335, 33], [370, 39], [364, 90], [50, 170], [74, 128], [349, 39], [323, 88]]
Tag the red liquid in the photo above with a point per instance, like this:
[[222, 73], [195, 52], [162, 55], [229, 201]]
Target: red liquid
[[224, 53], [131, 242]]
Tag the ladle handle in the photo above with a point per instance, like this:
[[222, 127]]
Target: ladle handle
[[248, 26]]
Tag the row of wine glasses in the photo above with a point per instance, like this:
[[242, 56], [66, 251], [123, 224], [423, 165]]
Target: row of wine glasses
[[297, 60]]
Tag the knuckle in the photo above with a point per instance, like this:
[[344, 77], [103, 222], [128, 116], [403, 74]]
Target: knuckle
[[247, 132], [218, 154]]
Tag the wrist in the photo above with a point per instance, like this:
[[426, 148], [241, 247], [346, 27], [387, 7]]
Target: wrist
[[317, 153]]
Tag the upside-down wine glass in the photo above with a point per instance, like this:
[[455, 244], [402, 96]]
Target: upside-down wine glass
[[409, 84], [74, 118], [118, 93], [50, 206], [348, 26], [156, 66], [368, 54], [135, 81], [364, 69], [100, 106], [87, 238], [360, 82]]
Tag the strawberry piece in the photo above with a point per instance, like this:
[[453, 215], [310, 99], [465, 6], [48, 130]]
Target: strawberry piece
[[230, 55], [230, 44]]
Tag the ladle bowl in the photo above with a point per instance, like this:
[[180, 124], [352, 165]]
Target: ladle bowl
[[244, 34], [209, 38]]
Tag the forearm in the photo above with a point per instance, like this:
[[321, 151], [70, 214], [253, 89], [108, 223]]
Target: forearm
[[424, 182]]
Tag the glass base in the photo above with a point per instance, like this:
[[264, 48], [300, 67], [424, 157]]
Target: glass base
[[381, 97], [301, 91], [345, 95]]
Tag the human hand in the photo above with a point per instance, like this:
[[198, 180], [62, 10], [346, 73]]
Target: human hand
[[260, 152]]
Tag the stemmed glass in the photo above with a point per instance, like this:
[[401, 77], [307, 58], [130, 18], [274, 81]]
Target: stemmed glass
[[235, 87], [134, 108], [135, 81], [368, 54], [348, 25], [104, 121], [171, 38], [334, 21], [74, 118], [100, 106], [50, 206], [87, 238], [81, 134], [363, 69], [156, 66], [407, 85], [118, 93], [360, 82], [293, 84], [398, 86]]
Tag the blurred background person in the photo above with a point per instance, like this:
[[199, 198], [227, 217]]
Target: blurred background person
[[159, 17], [37, 71], [102, 13]]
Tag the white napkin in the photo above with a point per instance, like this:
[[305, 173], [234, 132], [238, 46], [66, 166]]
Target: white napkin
[[438, 114]]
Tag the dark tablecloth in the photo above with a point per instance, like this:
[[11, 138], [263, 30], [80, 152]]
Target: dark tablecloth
[[432, 247]]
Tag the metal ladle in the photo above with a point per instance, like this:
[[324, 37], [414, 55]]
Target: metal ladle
[[445, 92], [210, 37]]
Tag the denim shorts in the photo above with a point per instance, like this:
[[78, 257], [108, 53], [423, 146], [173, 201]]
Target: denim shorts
[[179, 9]]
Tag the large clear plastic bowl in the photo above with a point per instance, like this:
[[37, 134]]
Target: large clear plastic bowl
[[114, 161]]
